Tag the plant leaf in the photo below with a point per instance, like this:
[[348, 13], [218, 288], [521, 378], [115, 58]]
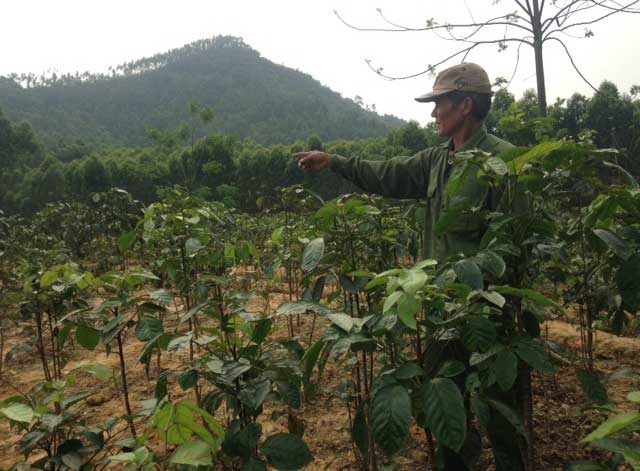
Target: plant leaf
[[391, 418], [444, 412], [286, 452], [312, 254]]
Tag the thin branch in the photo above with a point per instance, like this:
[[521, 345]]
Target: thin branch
[[524, 8], [565, 12], [515, 69], [404, 29], [613, 8], [469, 10], [566, 49], [584, 23], [431, 67]]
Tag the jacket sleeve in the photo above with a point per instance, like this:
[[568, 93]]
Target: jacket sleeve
[[400, 177]]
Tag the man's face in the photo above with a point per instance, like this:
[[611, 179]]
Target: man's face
[[449, 117]]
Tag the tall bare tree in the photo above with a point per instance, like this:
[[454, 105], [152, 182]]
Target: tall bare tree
[[532, 23]]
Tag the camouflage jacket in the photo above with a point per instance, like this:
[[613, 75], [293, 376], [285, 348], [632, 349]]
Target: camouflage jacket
[[425, 175]]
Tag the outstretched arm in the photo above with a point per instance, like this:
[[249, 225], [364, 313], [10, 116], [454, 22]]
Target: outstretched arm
[[400, 177]]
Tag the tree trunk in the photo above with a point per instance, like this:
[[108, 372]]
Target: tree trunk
[[536, 23]]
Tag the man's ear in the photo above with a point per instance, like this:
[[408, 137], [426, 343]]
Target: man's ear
[[467, 106]]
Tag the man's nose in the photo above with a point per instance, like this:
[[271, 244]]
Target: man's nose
[[433, 113]]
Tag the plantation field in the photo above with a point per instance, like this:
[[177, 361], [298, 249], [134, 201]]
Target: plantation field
[[558, 399], [313, 334]]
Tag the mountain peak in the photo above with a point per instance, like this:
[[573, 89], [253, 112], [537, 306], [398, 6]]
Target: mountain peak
[[250, 95]]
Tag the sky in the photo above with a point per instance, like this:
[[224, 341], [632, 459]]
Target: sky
[[78, 35]]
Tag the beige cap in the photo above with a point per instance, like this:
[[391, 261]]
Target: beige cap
[[465, 77]]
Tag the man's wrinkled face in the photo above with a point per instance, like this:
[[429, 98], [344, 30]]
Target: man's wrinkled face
[[449, 117]]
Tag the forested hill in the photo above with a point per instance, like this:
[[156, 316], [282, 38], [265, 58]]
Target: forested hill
[[250, 96]]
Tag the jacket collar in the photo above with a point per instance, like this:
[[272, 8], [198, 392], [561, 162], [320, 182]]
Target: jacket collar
[[473, 142]]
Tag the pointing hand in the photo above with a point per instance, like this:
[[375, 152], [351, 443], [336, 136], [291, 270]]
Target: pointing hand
[[313, 161]]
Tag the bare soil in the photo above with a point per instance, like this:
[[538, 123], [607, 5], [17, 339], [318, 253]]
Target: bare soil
[[560, 421]]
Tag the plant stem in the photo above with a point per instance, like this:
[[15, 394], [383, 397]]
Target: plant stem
[[125, 387]]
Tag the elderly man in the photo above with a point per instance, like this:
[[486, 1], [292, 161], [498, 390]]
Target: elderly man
[[462, 97]]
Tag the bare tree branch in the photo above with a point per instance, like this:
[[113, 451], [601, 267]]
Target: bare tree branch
[[431, 67], [566, 49], [515, 69], [563, 15], [403, 29], [618, 4], [524, 8], [585, 23]]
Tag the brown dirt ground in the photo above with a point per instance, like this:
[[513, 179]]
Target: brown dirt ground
[[559, 419]]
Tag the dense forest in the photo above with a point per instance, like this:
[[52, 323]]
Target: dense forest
[[252, 98], [243, 172]]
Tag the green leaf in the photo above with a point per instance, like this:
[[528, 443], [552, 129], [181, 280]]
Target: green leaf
[[72, 460], [628, 281], [286, 452], [148, 327], [99, 371], [18, 412], [634, 396], [493, 297], [526, 293], [532, 353], [276, 235], [343, 321], [412, 280], [391, 418], [409, 370], [617, 245], [188, 379], [260, 330], [408, 308], [310, 359], [87, 337], [478, 334], [469, 274], [491, 262], [505, 369], [444, 412], [497, 165], [243, 442], [627, 448], [163, 296], [614, 424], [630, 178], [192, 246], [303, 307], [451, 369], [255, 394], [126, 240], [48, 278], [586, 466], [593, 387], [123, 457], [253, 465], [312, 254], [194, 453], [391, 300]]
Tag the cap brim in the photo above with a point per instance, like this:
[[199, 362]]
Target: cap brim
[[431, 96]]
